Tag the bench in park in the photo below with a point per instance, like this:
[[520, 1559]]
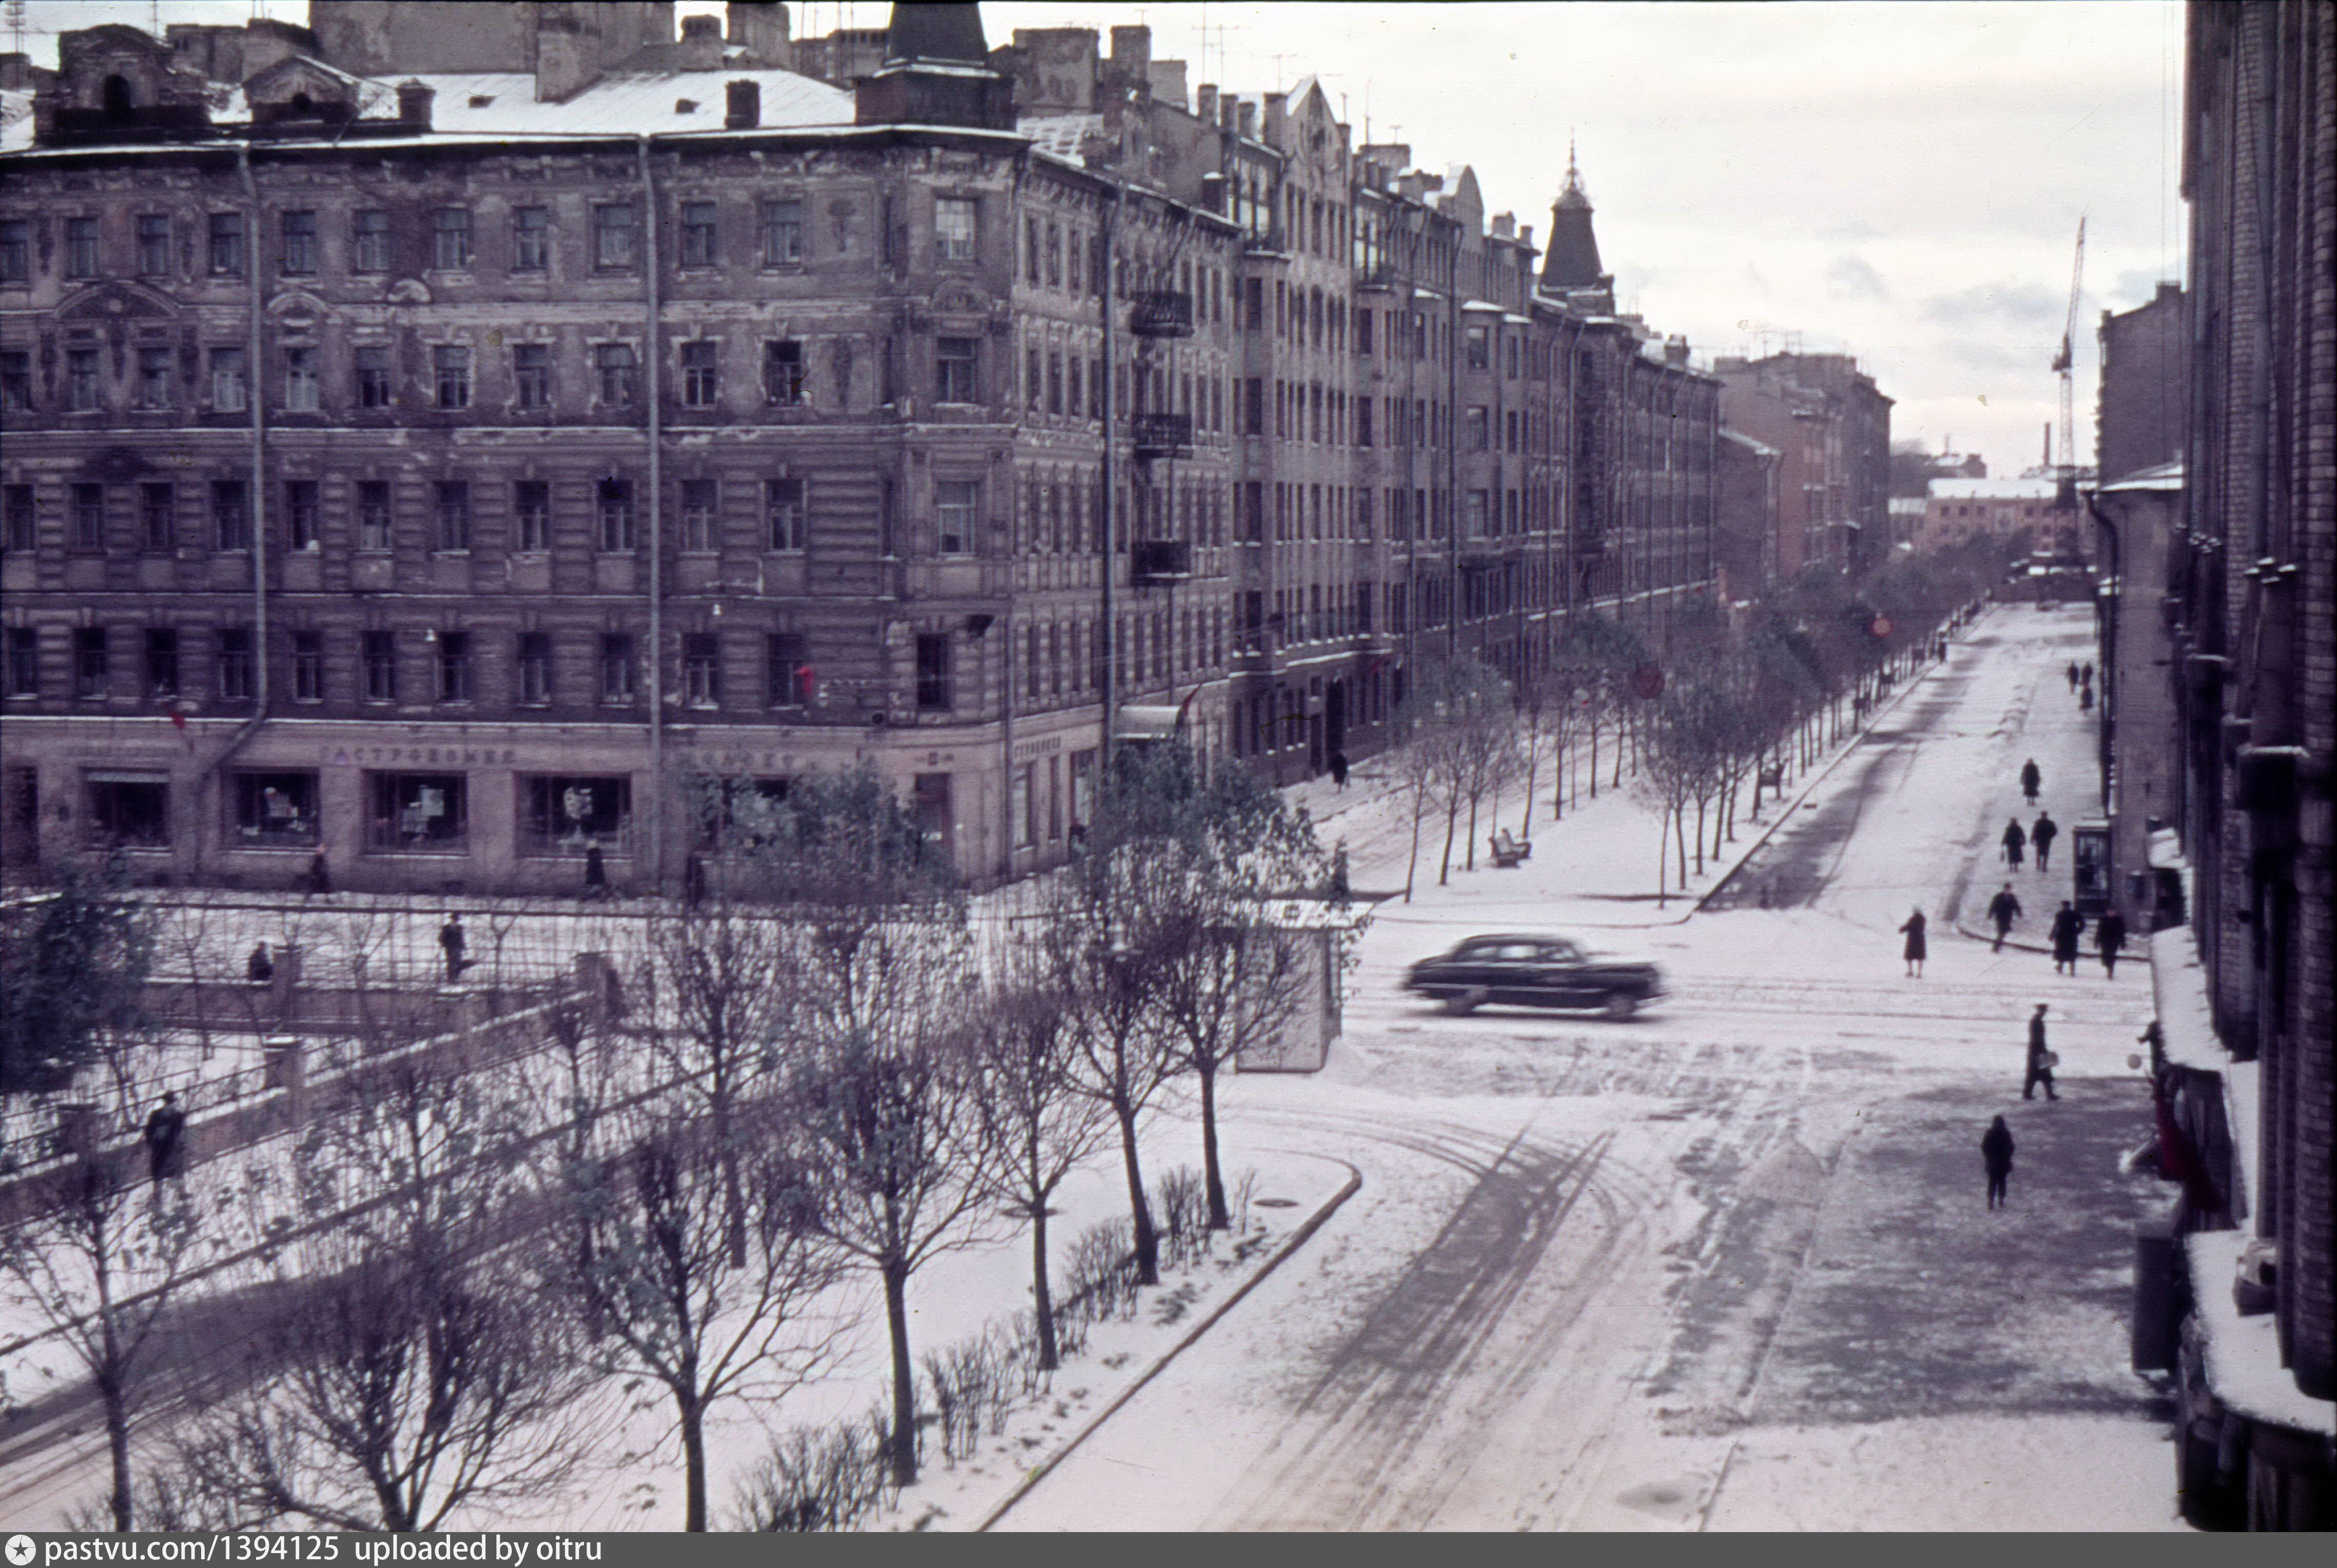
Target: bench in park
[[1508, 852]]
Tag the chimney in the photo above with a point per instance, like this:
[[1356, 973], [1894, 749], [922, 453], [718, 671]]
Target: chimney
[[743, 106], [413, 104], [1168, 82], [1204, 102], [1505, 225], [1675, 351], [1525, 235], [1278, 118], [701, 43], [1131, 53], [567, 56], [760, 28], [1245, 120]]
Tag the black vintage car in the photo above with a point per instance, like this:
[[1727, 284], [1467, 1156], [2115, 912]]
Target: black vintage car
[[1534, 970]]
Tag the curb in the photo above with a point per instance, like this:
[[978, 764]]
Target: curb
[[1290, 1244]]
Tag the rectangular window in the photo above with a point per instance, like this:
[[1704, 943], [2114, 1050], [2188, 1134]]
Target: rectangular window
[[786, 676], [301, 251], [531, 239], [1478, 428], [698, 235], [81, 248], [1477, 512], [450, 238], [230, 514], [453, 667], [374, 516], [373, 377], [618, 373], [532, 375], [161, 662], [16, 380], [1478, 341], [454, 514], [955, 367], [616, 238], [231, 384], [701, 526], [378, 661], [369, 241], [129, 811], [153, 387], [303, 393], [566, 815], [274, 808], [700, 373], [24, 672], [449, 365], [954, 500], [302, 513], [534, 669], [782, 373], [235, 664], [89, 517], [83, 390], [420, 813], [933, 671], [153, 245], [955, 221], [15, 250], [702, 669], [532, 511], [782, 227], [617, 669], [307, 667], [618, 530], [92, 673], [783, 514], [156, 503], [227, 243]]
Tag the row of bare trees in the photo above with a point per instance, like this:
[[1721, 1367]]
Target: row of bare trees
[[428, 1302]]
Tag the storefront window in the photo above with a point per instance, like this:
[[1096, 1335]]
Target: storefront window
[[275, 808], [566, 815], [420, 813], [129, 811]]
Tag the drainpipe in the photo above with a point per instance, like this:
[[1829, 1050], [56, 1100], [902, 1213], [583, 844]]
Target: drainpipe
[[255, 494], [1106, 628], [2106, 607], [652, 391]]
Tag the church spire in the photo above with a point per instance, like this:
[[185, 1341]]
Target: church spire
[[1572, 259]]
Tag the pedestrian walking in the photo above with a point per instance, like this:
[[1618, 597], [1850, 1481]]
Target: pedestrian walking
[[2029, 779], [259, 969], [451, 942], [2085, 673], [2073, 678], [2004, 909], [2085, 699], [596, 872], [2041, 1061], [2014, 841], [1913, 951], [1996, 1158], [2109, 940], [1339, 770], [321, 877], [2041, 837], [2069, 925], [166, 1150]]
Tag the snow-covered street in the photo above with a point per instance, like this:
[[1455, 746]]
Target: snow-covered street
[[1726, 1265]]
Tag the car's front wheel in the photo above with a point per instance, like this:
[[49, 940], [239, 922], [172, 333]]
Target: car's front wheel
[[1461, 1003], [1621, 1004]]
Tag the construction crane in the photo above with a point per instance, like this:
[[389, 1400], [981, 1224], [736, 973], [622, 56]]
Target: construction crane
[[2065, 365]]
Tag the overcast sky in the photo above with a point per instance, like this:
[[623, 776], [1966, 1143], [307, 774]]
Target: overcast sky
[[1899, 181]]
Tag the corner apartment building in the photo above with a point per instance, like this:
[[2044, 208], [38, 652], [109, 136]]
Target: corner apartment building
[[1831, 426]]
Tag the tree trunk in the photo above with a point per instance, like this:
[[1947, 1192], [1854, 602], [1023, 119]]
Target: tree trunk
[[1594, 756], [1041, 1298], [693, 1463], [1525, 815], [1213, 1180], [1679, 817], [1699, 834], [1139, 1207], [1411, 866], [1663, 857], [117, 1441], [1468, 847], [1452, 821], [905, 1373]]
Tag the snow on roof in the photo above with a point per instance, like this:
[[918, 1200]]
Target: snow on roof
[[1993, 488], [1740, 438], [2165, 476], [1060, 134], [16, 121], [2243, 1354], [621, 103], [2179, 990]]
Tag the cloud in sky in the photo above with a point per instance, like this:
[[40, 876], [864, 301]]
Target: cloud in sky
[[1746, 159]]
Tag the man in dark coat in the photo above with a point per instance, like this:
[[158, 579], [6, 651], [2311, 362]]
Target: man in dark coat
[[451, 942], [2085, 699], [1995, 1154], [2109, 937], [1339, 769], [2041, 1060], [2069, 925], [2030, 779], [166, 1152], [2003, 909], [1913, 950], [2015, 841], [596, 871], [2073, 675], [259, 969], [320, 876], [2041, 837]]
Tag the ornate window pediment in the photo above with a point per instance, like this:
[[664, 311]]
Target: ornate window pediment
[[118, 300]]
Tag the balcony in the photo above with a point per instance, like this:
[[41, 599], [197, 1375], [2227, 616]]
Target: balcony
[[1162, 313], [1160, 561], [1159, 436]]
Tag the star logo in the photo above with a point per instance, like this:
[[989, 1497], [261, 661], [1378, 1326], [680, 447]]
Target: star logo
[[21, 1550]]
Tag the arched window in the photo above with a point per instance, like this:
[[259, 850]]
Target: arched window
[[117, 98]]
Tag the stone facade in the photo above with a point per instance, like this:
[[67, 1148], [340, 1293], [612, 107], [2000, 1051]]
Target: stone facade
[[1831, 427]]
